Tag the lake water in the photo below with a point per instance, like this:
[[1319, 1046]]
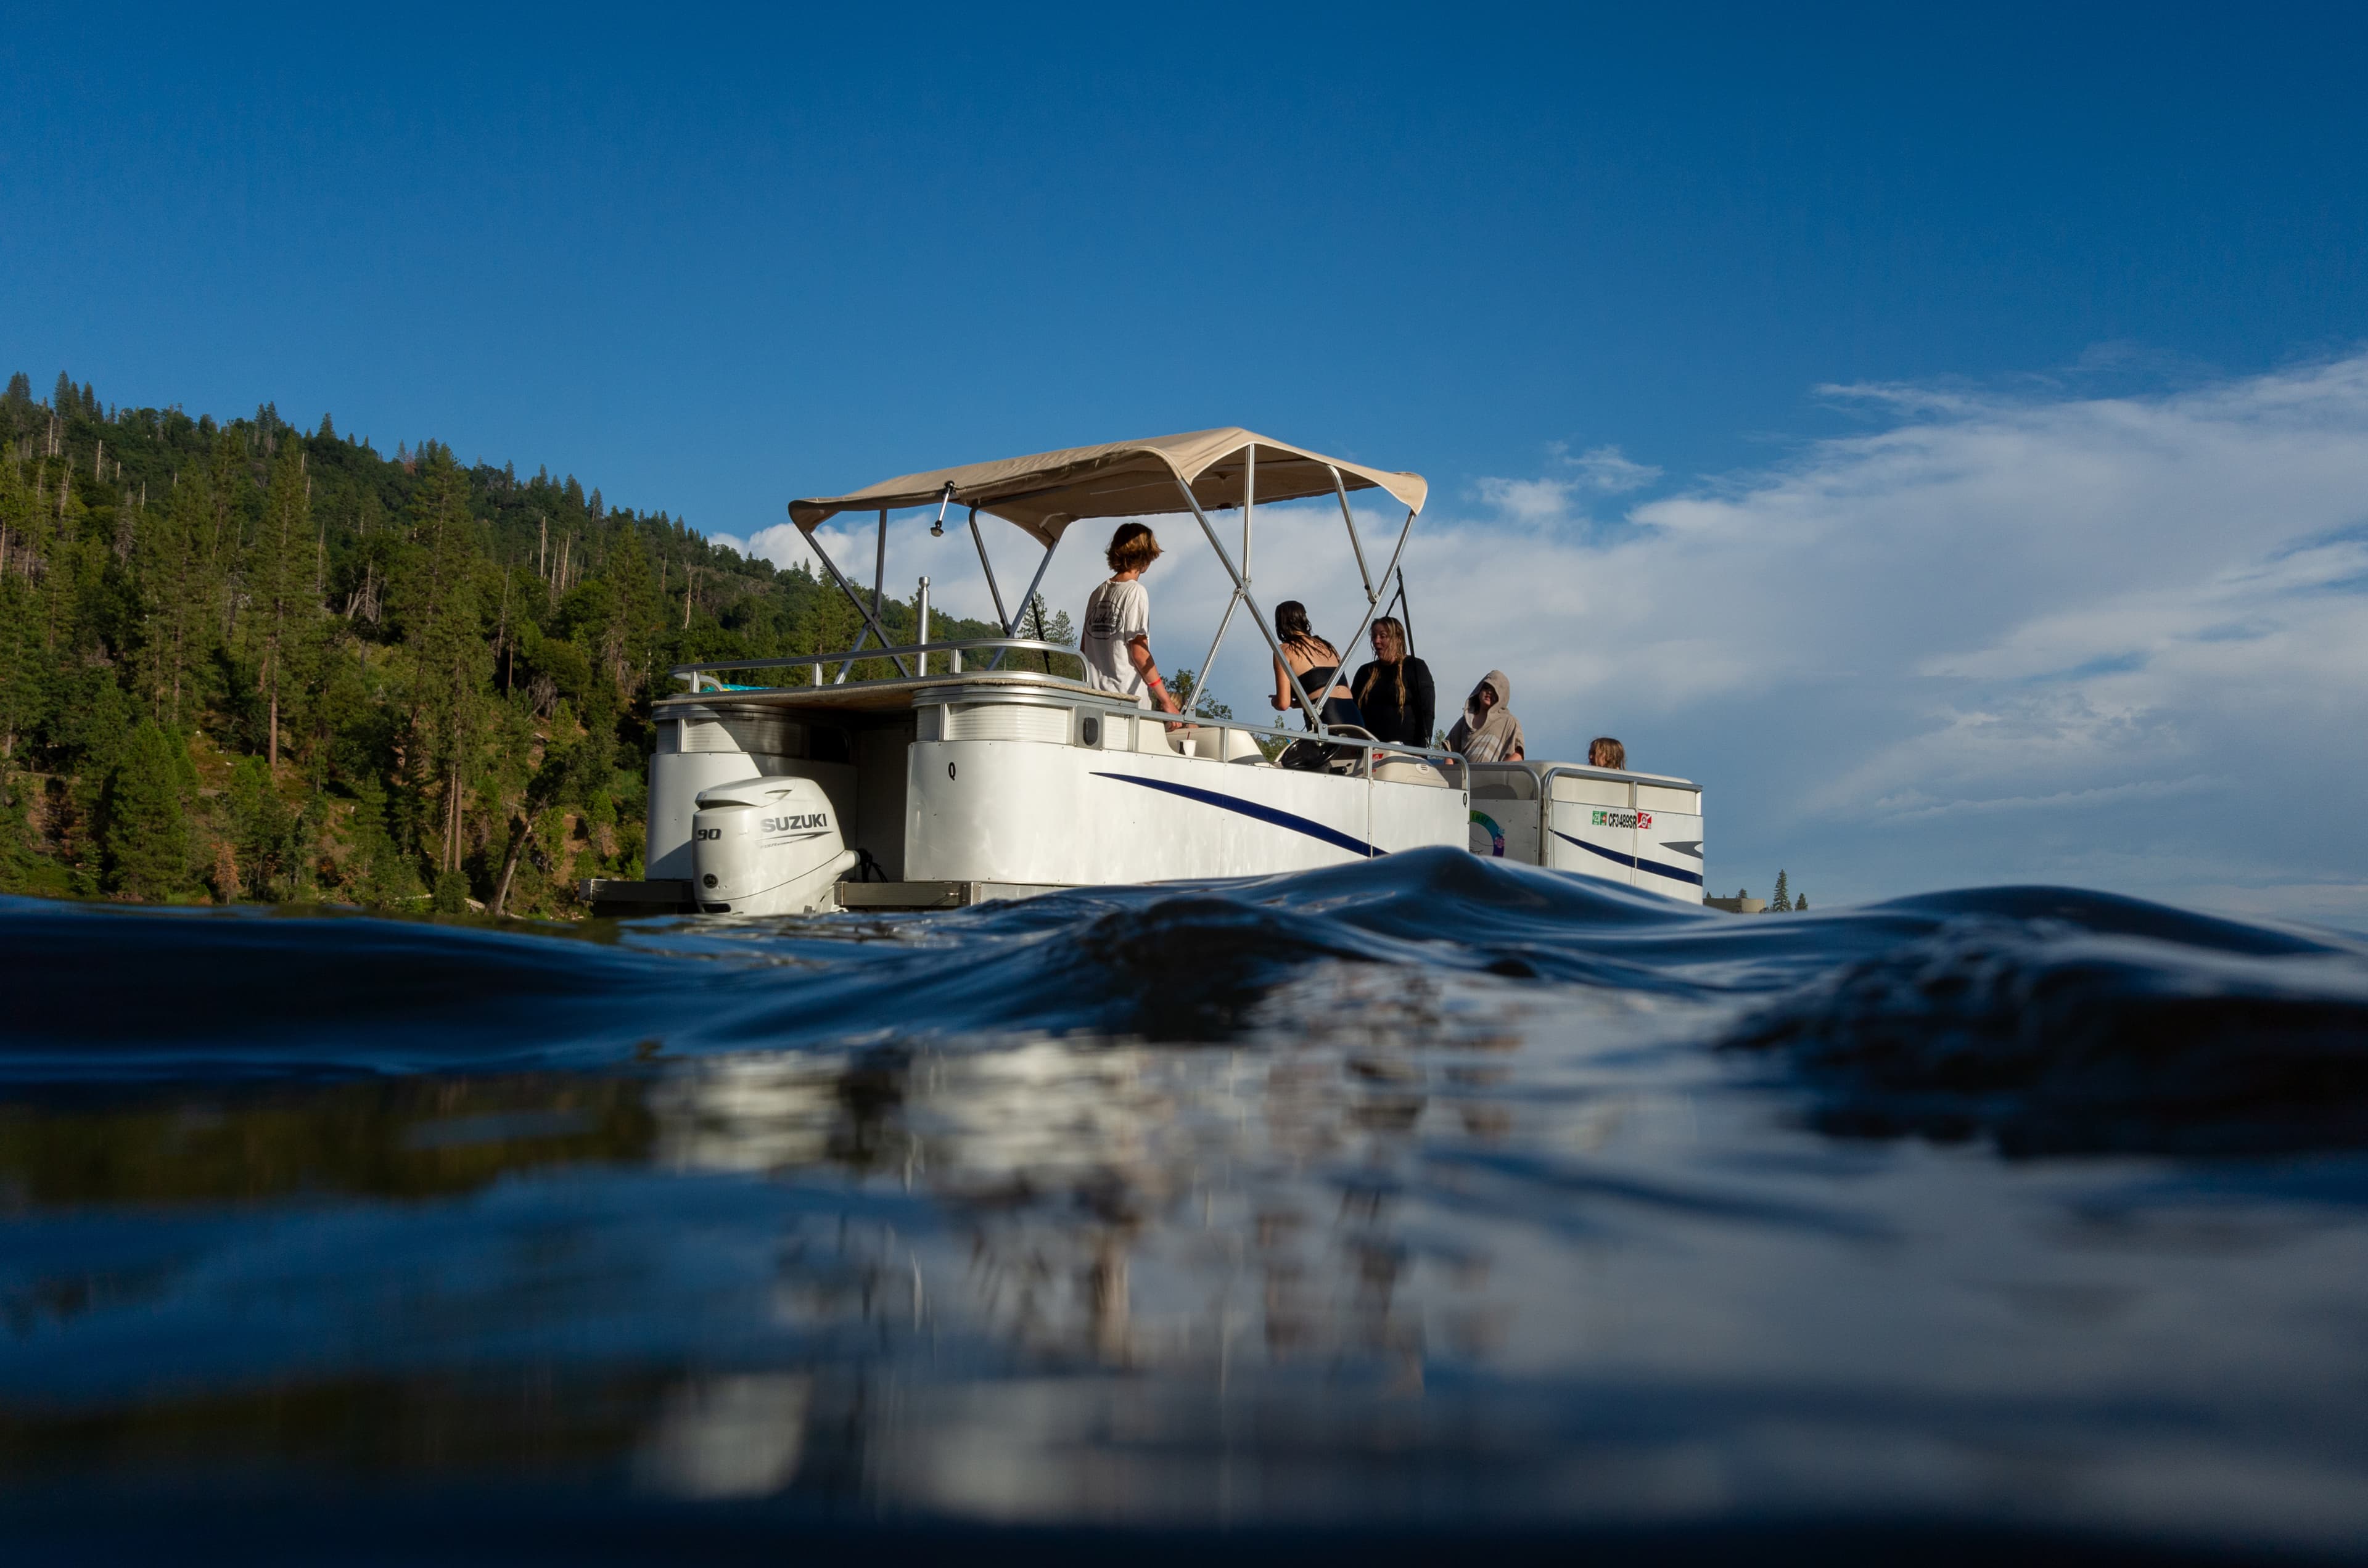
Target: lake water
[[1386, 1205]]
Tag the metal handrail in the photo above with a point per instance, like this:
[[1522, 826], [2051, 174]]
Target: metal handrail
[[851, 655], [1542, 771], [1191, 719]]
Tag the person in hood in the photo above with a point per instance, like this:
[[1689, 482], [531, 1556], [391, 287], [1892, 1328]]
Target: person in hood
[[1488, 732]]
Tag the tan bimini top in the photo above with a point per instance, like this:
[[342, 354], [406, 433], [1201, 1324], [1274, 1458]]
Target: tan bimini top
[[1045, 492]]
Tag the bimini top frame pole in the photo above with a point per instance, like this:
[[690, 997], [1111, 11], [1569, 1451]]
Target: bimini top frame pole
[[1315, 714], [1044, 493], [1241, 593], [1374, 600], [870, 619]]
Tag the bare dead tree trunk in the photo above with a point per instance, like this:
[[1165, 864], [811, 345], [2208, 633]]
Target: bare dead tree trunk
[[502, 636], [453, 822], [521, 828]]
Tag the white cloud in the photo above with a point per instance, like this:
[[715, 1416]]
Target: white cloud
[[1529, 500], [1551, 497], [2121, 641], [1604, 468], [780, 544]]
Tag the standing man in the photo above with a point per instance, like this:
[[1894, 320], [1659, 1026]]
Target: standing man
[[1117, 640]]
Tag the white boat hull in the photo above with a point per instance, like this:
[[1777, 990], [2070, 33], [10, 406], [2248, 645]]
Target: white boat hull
[[1007, 781], [1021, 811]]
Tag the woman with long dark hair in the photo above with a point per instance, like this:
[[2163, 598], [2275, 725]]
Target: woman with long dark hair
[[1317, 663], [1395, 691]]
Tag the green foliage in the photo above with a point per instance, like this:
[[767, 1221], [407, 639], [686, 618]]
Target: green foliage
[[266, 835], [16, 829], [361, 667], [1045, 625], [1781, 903], [142, 824], [1184, 685]]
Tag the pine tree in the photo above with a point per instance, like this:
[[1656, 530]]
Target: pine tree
[[16, 828], [178, 595], [19, 605], [628, 637], [1041, 623], [226, 487], [559, 779], [449, 659], [1782, 901], [1184, 685], [265, 833], [64, 398], [278, 576], [144, 831]]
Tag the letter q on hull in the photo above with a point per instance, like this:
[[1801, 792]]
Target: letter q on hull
[[766, 846]]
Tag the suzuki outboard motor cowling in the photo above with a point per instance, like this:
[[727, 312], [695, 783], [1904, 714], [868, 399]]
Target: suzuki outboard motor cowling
[[766, 846]]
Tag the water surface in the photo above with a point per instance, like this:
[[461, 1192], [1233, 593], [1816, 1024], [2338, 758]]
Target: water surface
[[1420, 1198]]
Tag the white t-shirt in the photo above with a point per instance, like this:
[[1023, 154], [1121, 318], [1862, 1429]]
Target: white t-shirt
[[1116, 613]]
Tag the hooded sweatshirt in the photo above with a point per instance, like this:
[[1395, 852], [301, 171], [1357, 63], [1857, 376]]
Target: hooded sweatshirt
[[1492, 737]]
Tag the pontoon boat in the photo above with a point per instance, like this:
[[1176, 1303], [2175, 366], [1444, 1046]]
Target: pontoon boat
[[783, 786]]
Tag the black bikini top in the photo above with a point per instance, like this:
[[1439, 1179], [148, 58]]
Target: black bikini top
[[1319, 680]]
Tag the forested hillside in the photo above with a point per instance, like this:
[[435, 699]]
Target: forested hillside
[[246, 661]]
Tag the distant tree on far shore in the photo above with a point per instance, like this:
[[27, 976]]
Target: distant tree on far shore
[[146, 834], [1783, 901]]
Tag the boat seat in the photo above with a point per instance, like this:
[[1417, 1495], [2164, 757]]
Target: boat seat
[[1410, 771], [1225, 745]]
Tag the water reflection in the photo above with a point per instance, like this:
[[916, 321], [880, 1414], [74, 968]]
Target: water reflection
[[1409, 1245], [390, 1138], [734, 1437]]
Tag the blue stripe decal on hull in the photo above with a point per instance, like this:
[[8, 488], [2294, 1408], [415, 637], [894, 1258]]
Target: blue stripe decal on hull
[[1675, 873], [1312, 828]]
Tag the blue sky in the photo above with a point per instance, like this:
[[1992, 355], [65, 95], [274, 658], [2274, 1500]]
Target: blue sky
[[1640, 296]]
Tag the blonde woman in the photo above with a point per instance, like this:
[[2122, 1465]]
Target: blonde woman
[[1394, 691]]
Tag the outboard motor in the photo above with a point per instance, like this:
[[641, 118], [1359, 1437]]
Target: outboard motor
[[766, 846]]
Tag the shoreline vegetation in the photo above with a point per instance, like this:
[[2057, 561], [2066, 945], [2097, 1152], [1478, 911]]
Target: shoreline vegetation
[[244, 662]]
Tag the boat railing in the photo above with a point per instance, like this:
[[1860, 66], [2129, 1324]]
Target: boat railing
[[702, 679], [847, 658], [1541, 776]]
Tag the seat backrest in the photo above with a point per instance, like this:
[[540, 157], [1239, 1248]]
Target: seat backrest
[[1410, 771]]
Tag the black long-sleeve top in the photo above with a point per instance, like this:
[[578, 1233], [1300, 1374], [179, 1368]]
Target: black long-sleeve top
[[1377, 699]]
